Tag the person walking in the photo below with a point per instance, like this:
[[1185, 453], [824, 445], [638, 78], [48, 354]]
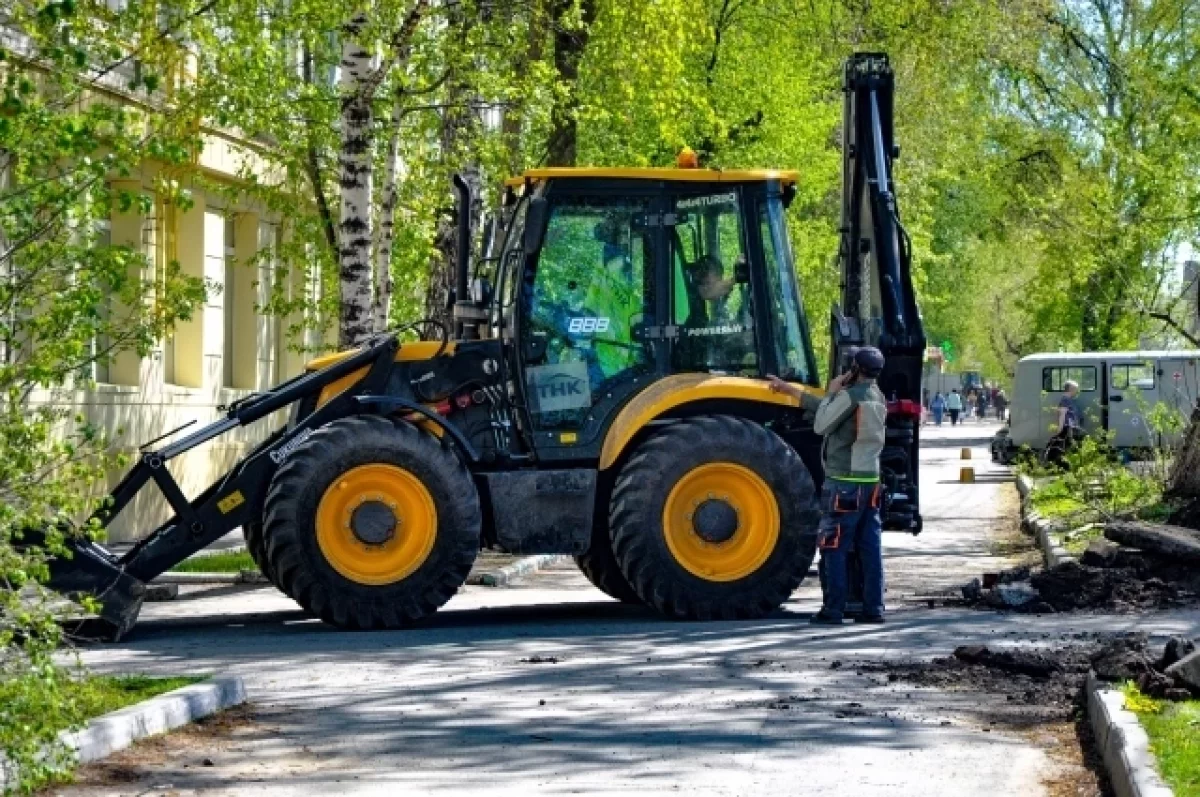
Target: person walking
[[954, 405], [937, 406], [1070, 424], [852, 418], [981, 404], [1001, 402]]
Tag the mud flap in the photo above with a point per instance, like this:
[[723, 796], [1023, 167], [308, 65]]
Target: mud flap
[[93, 571]]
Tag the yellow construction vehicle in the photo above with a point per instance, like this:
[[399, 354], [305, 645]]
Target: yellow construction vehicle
[[602, 394]]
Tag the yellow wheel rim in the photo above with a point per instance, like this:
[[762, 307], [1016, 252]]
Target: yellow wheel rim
[[723, 484], [376, 488]]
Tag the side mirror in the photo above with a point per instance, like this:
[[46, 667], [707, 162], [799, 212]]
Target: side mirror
[[535, 225]]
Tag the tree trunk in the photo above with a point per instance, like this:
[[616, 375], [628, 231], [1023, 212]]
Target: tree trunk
[[381, 309], [569, 46], [354, 163], [1185, 472]]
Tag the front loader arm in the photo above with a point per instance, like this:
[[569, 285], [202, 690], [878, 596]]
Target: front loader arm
[[119, 582], [878, 304]]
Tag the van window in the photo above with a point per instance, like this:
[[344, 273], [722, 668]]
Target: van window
[[1054, 379], [1139, 376]]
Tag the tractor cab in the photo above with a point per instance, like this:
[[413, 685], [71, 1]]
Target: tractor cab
[[610, 279]]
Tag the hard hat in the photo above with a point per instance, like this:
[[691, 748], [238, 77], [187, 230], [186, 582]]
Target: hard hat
[[868, 359], [687, 159]]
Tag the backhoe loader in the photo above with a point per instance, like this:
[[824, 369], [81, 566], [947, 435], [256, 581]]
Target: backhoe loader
[[602, 393]]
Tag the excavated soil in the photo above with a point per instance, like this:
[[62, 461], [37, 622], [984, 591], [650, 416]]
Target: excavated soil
[[1141, 582]]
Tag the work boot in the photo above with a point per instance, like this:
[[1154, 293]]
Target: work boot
[[821, 618]]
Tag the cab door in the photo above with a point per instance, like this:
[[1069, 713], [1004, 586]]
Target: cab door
[[1132, 393], [587, 302]]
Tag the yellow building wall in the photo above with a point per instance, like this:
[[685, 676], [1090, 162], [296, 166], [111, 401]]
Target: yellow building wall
[[184, 378]]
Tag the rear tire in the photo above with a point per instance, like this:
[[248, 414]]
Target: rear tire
[[256, 546], [419, 555], [601, 568], [739, 484]]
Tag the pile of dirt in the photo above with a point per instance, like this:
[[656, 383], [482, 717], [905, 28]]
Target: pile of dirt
[[1108, 578], [1044, 682], [1132, 583]]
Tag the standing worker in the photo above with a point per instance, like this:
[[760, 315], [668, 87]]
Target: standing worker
[[852, 418], [954, 405]]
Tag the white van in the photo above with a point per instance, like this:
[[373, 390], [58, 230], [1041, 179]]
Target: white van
[[1116, 390]]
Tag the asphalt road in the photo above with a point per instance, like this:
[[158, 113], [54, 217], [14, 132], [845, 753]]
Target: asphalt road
[[550, 688]]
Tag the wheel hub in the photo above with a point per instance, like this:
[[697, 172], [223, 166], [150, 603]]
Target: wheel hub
[[715, 521], [373, 522]]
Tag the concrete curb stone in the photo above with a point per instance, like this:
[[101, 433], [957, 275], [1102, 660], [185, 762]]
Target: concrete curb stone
[[243, 577], [1123, 743], [510, 573], [117, 730], [1043, 529]]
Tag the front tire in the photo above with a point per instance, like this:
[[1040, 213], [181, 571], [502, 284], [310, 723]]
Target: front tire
[[600, 566], [371, 524], [714, 518]]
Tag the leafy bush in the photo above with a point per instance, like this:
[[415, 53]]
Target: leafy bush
[[70, 300]]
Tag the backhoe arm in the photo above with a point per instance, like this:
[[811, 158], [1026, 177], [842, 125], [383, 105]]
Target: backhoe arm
[[878, 305]]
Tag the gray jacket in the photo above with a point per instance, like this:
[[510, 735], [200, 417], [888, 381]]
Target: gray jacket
[[853, 423]]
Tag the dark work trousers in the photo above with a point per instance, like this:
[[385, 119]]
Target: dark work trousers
[[851, 528]]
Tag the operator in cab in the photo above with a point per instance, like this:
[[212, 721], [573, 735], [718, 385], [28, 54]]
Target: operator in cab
[[852, 419]]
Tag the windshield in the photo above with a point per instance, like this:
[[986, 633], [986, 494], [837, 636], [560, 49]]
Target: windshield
[[793, 351]]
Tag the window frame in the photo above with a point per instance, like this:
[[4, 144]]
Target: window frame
[[1048, 378], [1129, 384]]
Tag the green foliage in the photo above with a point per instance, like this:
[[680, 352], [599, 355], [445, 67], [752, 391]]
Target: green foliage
[[1174, 731], [37, 703], [1094, 483], [224, 562], [70, 302]]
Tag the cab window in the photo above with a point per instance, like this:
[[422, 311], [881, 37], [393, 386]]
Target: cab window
[[588, 302], [712, 309]]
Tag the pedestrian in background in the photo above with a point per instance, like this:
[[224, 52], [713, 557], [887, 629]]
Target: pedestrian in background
[[1001, 403], [938, 407], [853, 419], [981, 405], [954, 406]]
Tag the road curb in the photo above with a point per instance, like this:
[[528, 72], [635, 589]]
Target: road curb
[[1122, 743], [1024, 486], [1043, 529], [509, 573], [118, 729], [1053, 554], [244, 577]]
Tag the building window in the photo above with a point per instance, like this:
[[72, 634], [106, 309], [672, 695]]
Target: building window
[[99, 348], [228, 302], [1054, 379], [154, 247]]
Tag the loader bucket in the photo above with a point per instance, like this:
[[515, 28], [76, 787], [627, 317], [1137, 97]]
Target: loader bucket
[[90, 570]]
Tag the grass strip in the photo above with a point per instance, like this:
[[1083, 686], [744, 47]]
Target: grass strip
[[227, 562], [1174, 731]]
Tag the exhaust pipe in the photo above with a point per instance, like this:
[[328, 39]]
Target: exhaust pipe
[[466, 326]]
